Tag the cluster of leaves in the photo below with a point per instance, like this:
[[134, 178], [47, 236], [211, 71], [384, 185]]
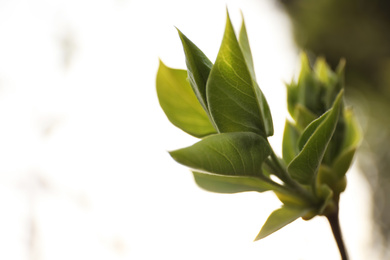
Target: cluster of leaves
[[222, 104]]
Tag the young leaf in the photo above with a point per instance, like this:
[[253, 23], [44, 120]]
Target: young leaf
[[337, 83], [280, 218], [265, 112], [304, 166], [198, 68], [246, 49], [309, 130], [264, 108], [290, 139], [292, 97], [231, 94], [323, 72], [303, 116], [342, 163], [180, 103], [351, 141], [309, 90], [234, 154], [353, 135], [230, 184]]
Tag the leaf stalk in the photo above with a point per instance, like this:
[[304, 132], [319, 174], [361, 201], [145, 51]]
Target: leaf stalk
[[293, 186]]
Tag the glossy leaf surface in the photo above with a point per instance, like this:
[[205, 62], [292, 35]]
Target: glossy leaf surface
[[180, 103], [304, 166], [234, 154], [280, 218]]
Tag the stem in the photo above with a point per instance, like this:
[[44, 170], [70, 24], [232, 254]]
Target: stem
[[276, 186], [293, 186], [333, 219], [282, 171]]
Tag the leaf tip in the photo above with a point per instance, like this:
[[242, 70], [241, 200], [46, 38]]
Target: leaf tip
[[179, 32], [339, 97], [228, 21], [258, 237], [160, 62]]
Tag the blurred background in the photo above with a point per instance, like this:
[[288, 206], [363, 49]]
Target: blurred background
[[84, 171]]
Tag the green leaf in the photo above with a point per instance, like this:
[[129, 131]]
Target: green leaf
[[310, 129], [337, 84], [326, 194], [351, 141], [230, 184], [280, 218], [323, 72], [180, 103], [231, 93], [342, 163], [353, 133], [246, 49], [290, 139], [292, 97], [198, 68], [309, 88], [304, 166], [265, 112], [303, 116], [264, 108], [234, 154]]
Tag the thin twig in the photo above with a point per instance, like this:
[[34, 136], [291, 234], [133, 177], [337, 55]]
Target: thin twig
[[333, 219]]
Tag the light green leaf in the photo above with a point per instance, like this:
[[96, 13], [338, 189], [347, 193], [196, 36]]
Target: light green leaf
[[234, 154], [180, 103], [303, 116], [246, 49], [292, 97], [342, 163], [231, 93], [264, 108], [337, 83], [353, 133], [304, 166], [198, 68], [230, 184], [323, 72], [290, 139], [265, 112], [326, 194], [280, 218], [309, 130]]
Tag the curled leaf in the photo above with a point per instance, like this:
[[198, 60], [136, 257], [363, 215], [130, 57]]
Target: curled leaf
[[198, 68], [305, 165], [179, 102]]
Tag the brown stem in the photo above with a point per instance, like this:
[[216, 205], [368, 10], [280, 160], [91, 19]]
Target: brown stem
[[333, 219]]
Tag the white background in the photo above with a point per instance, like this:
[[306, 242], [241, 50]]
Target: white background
[[84, 172]]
